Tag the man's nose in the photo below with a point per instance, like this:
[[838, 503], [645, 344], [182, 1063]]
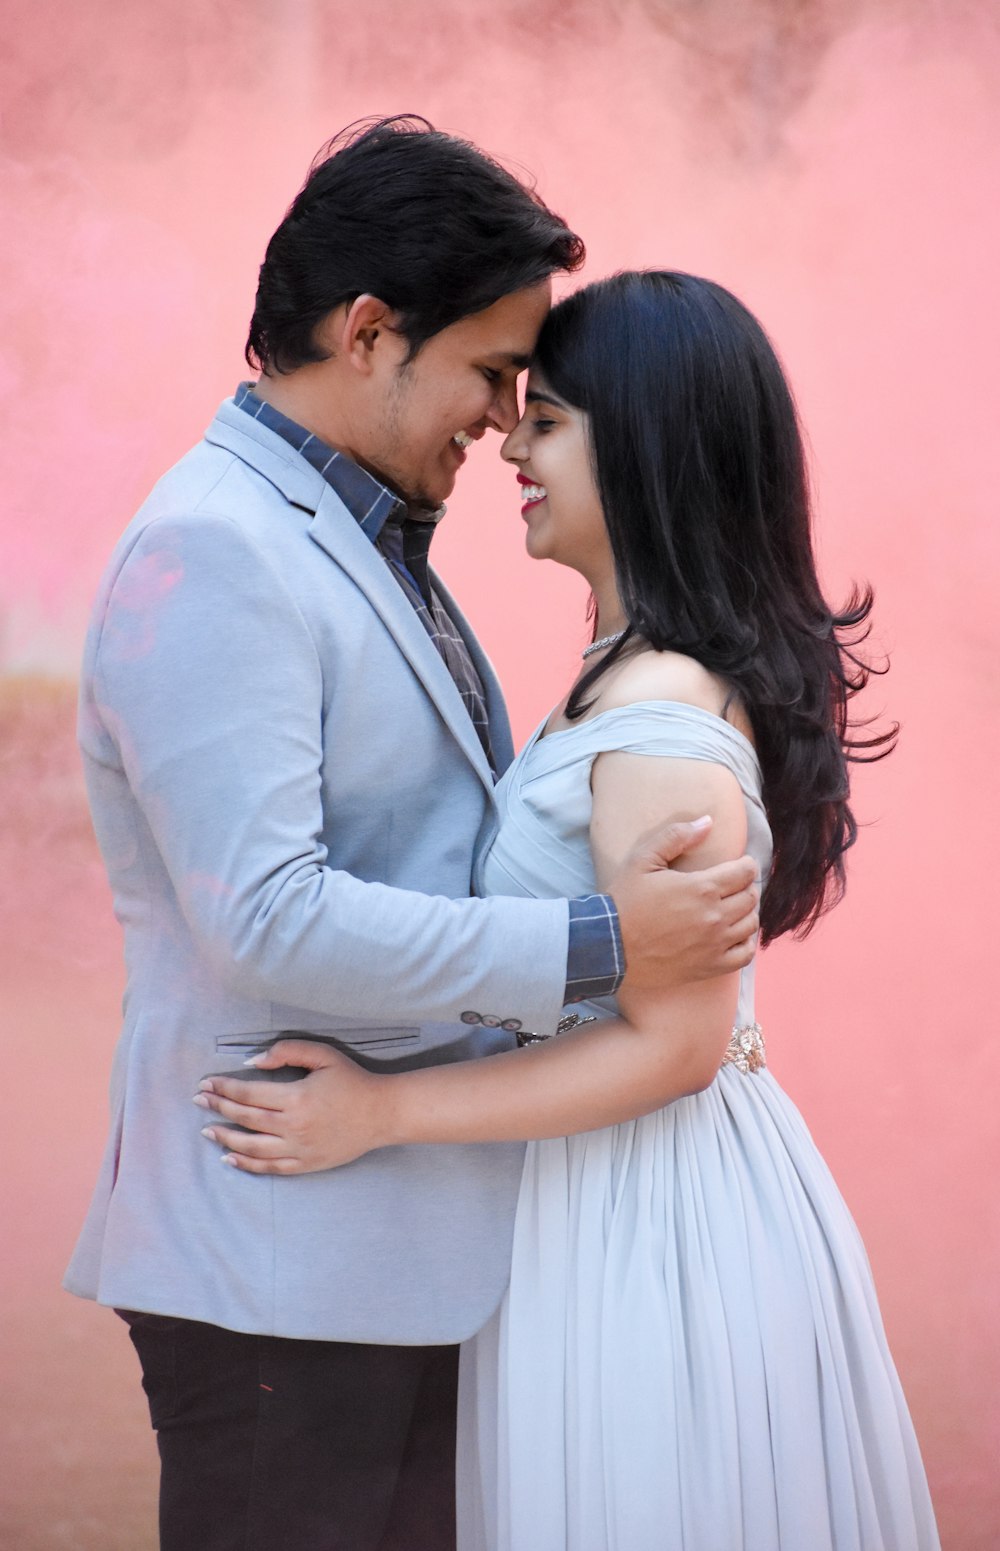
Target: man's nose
[[503, 414]]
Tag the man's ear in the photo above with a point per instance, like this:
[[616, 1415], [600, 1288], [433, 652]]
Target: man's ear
[[363, 330]]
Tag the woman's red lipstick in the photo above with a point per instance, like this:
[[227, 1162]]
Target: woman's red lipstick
[[524, 481]]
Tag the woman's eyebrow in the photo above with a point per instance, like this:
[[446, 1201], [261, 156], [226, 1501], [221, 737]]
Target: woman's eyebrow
[[534, 397]]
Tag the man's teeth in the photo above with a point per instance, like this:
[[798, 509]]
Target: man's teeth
[[462, 439], [533, 493]]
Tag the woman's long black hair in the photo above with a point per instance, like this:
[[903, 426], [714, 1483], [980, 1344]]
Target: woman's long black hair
[[701, 473]]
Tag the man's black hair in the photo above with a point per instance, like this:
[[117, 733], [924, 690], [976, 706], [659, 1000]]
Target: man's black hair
[[424, 221]]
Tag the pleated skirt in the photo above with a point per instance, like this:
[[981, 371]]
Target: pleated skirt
[[690, 1356]]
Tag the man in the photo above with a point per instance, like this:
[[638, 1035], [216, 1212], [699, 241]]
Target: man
[[291, 739]]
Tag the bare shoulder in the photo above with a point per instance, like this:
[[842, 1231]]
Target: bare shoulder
[[670, 676]]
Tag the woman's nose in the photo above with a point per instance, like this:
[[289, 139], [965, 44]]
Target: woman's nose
[[513, 449]]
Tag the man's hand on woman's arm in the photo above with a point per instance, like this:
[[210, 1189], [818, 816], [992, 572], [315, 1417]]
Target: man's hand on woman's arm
[[679, 926]]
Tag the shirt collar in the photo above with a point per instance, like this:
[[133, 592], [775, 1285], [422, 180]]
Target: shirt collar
[[366, 498]]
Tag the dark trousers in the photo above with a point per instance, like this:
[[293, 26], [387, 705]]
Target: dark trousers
[[268, 1444]]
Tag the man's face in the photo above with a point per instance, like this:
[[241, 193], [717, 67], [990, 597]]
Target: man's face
[[462, 383]]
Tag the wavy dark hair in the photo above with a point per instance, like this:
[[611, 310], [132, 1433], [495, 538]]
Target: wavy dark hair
[[426, 222], [701, 472]]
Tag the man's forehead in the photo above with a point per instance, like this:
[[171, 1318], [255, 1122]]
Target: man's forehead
[[507, 331]]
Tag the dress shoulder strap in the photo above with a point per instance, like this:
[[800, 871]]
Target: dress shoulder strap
[[668, 728]]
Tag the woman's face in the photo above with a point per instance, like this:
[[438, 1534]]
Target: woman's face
[[550, 446]]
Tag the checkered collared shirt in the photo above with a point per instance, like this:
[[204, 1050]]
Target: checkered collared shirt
[[595, 960]]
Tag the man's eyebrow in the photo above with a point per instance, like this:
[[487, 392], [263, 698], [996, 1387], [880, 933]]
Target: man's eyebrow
[[534, 397], [512, 358]]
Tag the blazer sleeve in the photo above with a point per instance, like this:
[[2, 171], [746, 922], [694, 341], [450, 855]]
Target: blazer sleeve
[[208, 688]]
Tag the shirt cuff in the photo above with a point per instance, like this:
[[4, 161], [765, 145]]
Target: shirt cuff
[[595, 961]]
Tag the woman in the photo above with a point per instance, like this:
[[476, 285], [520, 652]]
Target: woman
[[690, 1355]]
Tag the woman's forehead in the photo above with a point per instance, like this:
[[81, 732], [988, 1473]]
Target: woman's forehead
[[538, 389]]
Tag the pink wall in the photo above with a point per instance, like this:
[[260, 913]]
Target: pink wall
[[836, 163]]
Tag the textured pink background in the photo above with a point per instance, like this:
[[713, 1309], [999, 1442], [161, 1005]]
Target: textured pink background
[[834, 163]]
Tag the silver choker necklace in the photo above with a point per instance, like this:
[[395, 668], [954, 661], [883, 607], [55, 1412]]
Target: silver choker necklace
[[606, 640]]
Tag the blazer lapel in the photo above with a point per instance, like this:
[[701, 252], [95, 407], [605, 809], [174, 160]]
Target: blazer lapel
[[335, 531]]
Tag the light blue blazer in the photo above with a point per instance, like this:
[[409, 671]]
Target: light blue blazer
[[276, 758]]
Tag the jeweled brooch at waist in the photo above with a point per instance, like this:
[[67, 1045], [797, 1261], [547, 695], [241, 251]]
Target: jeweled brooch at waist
[[745, 1050]]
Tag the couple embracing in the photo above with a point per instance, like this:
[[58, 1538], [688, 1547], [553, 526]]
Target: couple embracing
[[382, 954]]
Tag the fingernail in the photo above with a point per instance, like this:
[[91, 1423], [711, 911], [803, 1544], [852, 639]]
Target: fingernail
[[201, 1101], [701, 823], [253, 1061], [230, 1158], [205, 1086], [207, 1131]]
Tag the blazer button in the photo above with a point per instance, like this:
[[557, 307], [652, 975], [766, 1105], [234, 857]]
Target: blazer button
[[471, 1017], [511, 1025], [488, 1021]]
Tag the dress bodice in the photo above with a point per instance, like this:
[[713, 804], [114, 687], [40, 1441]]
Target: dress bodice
[[542, 844]]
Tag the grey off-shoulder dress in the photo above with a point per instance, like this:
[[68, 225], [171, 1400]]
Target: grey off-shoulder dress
[[690, 1356]]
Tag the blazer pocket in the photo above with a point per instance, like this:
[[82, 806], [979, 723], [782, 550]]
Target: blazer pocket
[[354, 1039]]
